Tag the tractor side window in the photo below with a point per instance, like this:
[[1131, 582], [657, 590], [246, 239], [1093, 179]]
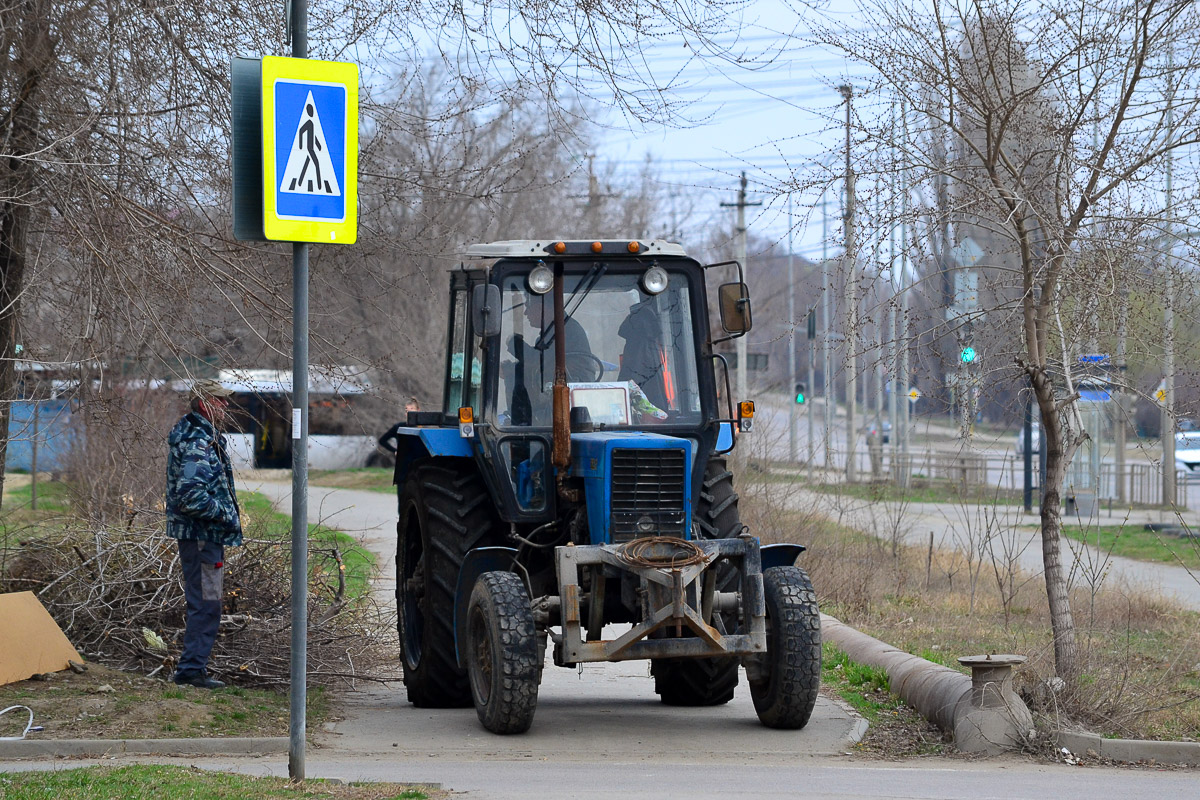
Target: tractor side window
[[456, 364]]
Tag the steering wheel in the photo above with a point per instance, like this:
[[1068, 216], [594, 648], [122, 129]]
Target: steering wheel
[[583, 367]]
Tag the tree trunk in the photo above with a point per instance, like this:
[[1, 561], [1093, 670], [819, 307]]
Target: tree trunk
[[1062, 624], [19, 127]]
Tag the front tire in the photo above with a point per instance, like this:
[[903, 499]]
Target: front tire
[[502, 653], [706, 681], [790, 670], [445, 511]]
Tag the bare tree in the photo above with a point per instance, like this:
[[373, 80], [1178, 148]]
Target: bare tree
[[1061, 119], [115, 241]]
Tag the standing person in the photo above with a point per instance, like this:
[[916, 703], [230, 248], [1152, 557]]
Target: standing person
[[202, 514], [390, 440]]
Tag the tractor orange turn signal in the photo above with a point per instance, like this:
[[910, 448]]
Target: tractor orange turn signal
[[560, 247], [466, 415], [745, 409], [634, 247], [597, 247]]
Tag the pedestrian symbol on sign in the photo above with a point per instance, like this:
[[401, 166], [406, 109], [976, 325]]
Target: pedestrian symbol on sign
[[309, 168]]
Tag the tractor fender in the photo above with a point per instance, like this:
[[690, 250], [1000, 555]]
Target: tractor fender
[[477, 562], [414, 444], [781, 554]]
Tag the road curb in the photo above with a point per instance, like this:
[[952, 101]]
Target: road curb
[[101, 748], [1131, 750]]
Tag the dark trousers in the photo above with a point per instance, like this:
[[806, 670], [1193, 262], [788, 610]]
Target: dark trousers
[[203, 567]]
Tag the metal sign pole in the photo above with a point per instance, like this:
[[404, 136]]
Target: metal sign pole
[[299, 667]]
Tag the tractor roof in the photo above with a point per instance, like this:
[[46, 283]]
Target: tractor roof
[[526, 248]]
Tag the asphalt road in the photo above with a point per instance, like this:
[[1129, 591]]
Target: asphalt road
[[541, 777]]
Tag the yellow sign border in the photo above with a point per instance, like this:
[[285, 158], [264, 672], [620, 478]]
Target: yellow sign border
[[309, 70]]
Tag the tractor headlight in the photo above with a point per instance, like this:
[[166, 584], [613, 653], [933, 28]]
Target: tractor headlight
[[654, 280], [541, 280]]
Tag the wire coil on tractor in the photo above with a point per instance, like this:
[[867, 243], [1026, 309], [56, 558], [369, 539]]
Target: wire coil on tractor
[[661, 551]]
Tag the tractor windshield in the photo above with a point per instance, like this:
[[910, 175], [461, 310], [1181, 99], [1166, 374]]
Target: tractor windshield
[[631, 357]]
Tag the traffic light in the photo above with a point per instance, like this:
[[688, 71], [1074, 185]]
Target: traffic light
[[968, 355], [801, 397]]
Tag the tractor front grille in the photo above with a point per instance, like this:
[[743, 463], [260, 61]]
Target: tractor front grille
[[648, 492]]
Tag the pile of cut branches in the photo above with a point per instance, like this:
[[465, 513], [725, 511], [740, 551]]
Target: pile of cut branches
[[117, 592]]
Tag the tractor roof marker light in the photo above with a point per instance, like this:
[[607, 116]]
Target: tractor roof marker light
[[654, 280], [541, 279]]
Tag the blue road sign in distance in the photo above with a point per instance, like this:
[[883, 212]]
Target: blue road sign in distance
[[1094, 358]]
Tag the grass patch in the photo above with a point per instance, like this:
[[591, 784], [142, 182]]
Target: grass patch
[[864, 688], [896, 729], [72, 706], [53, 497], [1134, 541], [270, 524], [374, 479], [19, 520], [151, 782]]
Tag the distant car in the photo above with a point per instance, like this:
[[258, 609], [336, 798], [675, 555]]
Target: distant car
[[1036, 438], [1187, 453]]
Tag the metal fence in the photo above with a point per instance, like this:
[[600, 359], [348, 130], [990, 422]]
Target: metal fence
[[1134, 483]]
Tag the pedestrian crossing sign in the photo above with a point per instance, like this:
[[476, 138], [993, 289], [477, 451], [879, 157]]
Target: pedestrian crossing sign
[[310, 150]]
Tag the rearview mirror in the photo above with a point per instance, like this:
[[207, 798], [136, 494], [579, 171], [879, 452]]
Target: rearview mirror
[[734, 299], [485, 310]]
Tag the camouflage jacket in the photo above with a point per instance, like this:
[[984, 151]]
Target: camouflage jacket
[[201, 501]]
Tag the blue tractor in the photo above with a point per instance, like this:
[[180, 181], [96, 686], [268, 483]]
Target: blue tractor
[[573, 494]]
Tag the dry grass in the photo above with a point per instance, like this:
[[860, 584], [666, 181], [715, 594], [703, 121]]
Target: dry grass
[[1140, 654]]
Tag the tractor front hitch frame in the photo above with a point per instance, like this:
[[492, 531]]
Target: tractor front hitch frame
[[672, 597]]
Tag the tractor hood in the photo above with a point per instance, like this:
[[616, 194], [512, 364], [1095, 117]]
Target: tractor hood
[[636, 484]]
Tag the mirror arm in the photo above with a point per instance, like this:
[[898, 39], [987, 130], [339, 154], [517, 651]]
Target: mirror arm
[[738, 264]]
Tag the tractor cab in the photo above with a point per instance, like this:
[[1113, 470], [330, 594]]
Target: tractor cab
[[636, 356]]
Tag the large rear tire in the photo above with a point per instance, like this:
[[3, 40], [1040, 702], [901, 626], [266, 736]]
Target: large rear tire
[[445, 511], [502, 652], [790, 672], [706, 681]]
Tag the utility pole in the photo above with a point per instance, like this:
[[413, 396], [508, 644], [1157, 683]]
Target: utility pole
[[893, 359], [1167, 426], [829, 396], [851, 312], [902, 369], [741, 204], [792, 448], [298, 695], [810, 333], [1119, 416]]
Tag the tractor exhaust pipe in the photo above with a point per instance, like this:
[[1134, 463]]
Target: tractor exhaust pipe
[[560, 453]]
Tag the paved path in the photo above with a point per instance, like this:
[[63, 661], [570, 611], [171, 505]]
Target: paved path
[[604, 711]]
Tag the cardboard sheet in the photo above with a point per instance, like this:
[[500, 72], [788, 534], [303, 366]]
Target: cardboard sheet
[[30, 640]]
